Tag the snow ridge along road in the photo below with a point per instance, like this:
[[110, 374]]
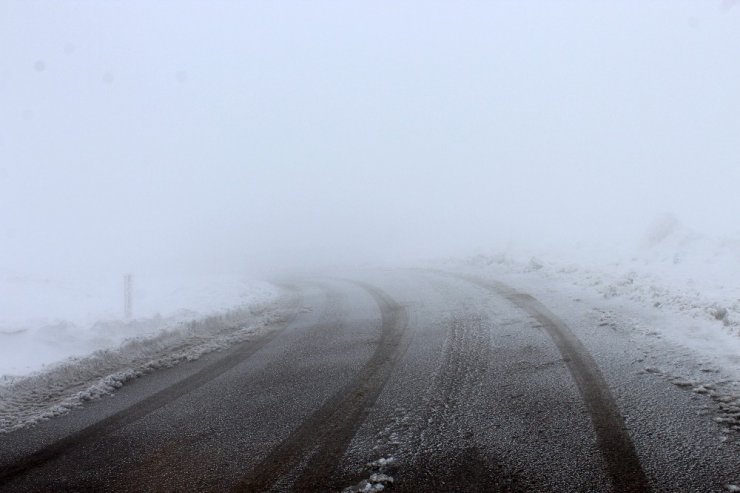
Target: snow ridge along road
[[146, 406], [614, 441]]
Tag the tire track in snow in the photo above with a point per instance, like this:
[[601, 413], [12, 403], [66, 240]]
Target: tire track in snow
[[318, 444], [464, 361], [446, 418], [617, 450], [100, 429]]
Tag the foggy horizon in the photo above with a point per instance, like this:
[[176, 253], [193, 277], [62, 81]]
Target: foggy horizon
[[254, 137]]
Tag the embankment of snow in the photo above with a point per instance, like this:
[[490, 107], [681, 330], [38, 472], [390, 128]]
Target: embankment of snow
[[676, 292], [671, 269], [28, 399], [46, 320]]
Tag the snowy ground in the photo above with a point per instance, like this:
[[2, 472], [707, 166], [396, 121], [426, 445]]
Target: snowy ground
[[672, 271], [677, 292], [45, 320], [80, 350]]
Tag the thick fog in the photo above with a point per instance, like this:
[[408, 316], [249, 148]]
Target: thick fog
[[258, 136]]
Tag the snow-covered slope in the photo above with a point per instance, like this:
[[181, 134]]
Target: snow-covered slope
[[676, 293], [65, 385], [671, 269], [46, 370], [45, 320]]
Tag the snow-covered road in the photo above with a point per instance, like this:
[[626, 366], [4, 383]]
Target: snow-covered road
[[410, 381]]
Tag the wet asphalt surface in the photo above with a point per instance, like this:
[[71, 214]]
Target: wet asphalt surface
[[442, 383]]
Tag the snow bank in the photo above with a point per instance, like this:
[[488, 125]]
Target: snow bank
[[674, 285], [671, 269], [63, 386], [45, 320], [685, 286], [64, 342]]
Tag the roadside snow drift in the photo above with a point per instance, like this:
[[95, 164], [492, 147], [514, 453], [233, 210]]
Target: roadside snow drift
[[71, 364], [676, 292], [45, 320], [672, 269]]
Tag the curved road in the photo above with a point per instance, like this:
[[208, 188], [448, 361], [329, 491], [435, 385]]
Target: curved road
[[409, 380]]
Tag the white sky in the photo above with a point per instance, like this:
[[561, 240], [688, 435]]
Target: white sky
[[230, 135]]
